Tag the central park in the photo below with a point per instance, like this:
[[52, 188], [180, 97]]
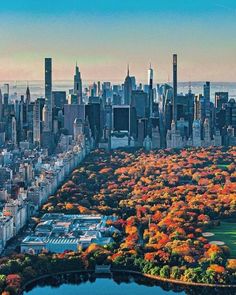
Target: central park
[[175, 218]]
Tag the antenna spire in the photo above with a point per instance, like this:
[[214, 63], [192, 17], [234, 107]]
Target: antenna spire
[[190, 87], [128, 70]]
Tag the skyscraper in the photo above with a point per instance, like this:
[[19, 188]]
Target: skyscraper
[[72, 112], [199, 108], [207, 90], [121, 118], [175, 81], [231, 113], [139, 101], [78, 84], [6, 94], [14, 131], [1, 106], [46, 118], [48, 88], [36, 123], [150, 77], [221, 99], [196, 133], [27, 95], [127, 89], [78, 128], [207, 133], [59, 99], [207, 96], [93, 113], [150, 92]]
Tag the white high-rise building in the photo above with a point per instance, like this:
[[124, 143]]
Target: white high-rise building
[[36, 123], [207, 133], [147, 143], [78, 128], [14, 131], [46, 118], [174, 138]]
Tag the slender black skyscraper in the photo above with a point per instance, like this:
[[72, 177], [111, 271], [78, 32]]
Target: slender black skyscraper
[[207, 90], [48, 88], [78, 84], [175, 81], [1, 106], [207, 97], [150, 82]]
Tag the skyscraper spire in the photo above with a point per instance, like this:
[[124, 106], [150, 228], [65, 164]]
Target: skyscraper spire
[[127, 88], [78, 84], [190, 87], [150, 76], [76, 69], [150, 94], [27, 93]]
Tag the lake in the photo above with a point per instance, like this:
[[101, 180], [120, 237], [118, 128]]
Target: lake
[[100, 287], [118, 285]]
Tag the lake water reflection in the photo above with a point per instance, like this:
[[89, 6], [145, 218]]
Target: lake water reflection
[[118, 285]]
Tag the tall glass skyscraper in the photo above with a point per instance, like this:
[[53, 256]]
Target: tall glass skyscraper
[[127, 89], [78, 85], [48, 88], [175, 81], [150, 84]]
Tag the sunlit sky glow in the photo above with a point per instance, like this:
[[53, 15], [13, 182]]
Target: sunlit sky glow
[[105, 35]]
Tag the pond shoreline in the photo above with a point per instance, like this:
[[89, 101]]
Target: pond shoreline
[[131, 272]]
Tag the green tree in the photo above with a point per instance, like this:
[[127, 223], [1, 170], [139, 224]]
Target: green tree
[[175, 273], [193, 274], [155, 271], [2, 281], [165, 271]]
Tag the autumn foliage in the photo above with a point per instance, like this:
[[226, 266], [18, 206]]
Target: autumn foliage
[[163, 201]]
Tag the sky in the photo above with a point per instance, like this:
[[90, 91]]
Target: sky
[[103, 36]]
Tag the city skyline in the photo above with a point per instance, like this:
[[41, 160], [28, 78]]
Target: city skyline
[[117, 146], [106, 35]]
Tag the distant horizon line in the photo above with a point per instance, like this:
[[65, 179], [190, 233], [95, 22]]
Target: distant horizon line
[[113, 80]]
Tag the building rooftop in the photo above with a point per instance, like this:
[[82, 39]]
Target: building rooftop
[[58, 232]]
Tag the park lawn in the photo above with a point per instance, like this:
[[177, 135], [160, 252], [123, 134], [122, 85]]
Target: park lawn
[[223, 166], [226, 233]]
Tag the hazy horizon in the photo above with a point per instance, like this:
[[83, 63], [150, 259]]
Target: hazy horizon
[[37, 87]]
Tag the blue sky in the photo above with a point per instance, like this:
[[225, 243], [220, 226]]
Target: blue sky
[[105, 35], [114, 6]]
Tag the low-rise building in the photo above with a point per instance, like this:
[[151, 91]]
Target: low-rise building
[[58, 233], [6, 230]]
